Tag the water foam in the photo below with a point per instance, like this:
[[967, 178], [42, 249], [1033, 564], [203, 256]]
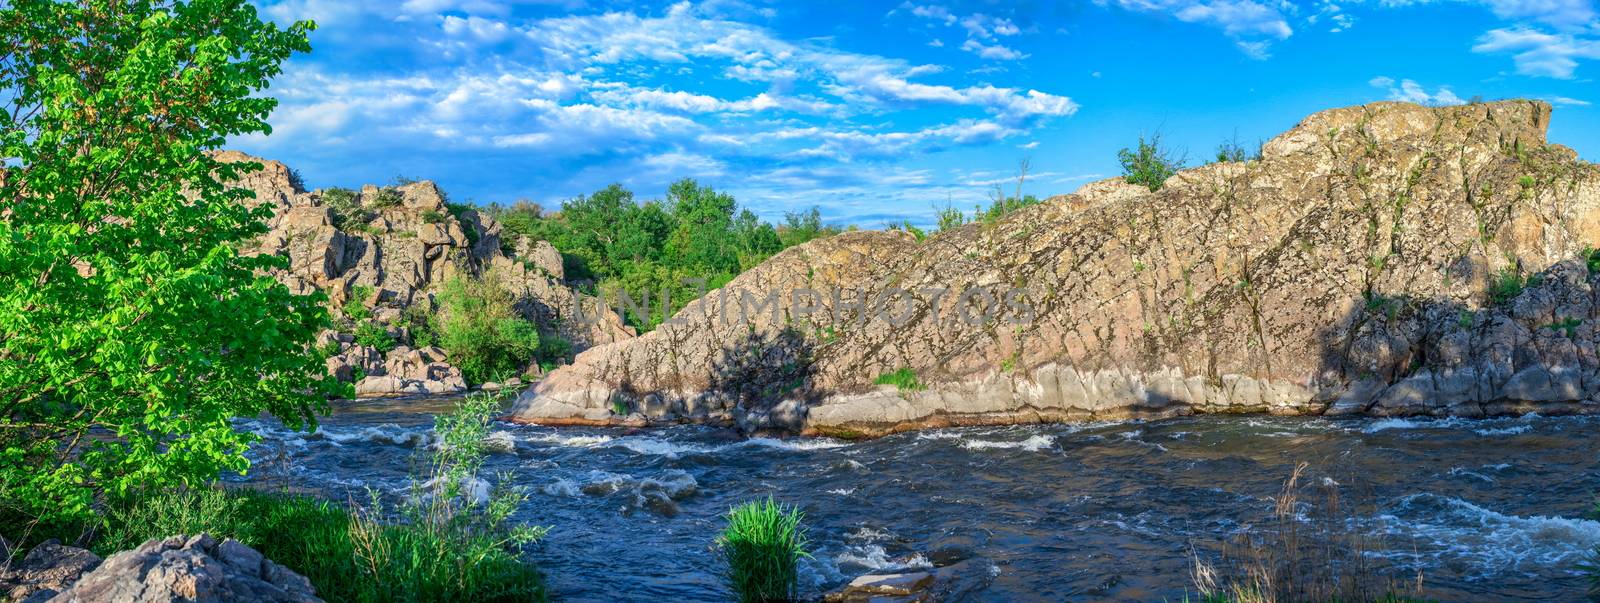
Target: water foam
[[874, 558], [1495, 542], [1032, 444]]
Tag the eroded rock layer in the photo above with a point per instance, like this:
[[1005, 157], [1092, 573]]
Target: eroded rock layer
[[1387, 258]]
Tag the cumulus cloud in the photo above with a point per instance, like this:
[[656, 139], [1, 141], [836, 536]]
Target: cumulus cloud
[[1538, 53], [1412, 92]]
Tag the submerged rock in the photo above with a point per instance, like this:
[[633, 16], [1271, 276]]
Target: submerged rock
[[183, 568], [1347, 270], [947, 583]]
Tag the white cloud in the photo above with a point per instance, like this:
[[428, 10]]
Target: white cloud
[[1412, 92], [1562, 14], [1537, 53], [981, 30], [1564, 101], [996, 51], [1253, 26]]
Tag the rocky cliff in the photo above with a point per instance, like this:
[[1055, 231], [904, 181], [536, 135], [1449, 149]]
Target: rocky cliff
[[1387, 258], [398, 245]]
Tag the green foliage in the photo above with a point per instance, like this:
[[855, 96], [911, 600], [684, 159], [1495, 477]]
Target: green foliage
[[1591, 259], [1150, 164], [371, 334], [481, 330], [1507, 284], [948, 217], [650, 247], [442, 544], [328, 349], [433, 217], [1568, 325], [419, 324], [763, 544], [125, 309], [346, 207], [1590, 567], [907, 226], [386, 197], [1003, 206], [800, 228], [355, 305], [903, 378], [1231, 151]]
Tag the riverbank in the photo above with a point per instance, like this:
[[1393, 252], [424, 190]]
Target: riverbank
[[1486, 509]]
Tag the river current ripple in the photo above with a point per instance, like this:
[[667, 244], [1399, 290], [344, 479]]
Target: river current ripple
[[1486, 509]]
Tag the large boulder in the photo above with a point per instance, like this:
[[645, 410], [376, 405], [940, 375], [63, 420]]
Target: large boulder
[[1347, 268], [192, 569], [48, 569]]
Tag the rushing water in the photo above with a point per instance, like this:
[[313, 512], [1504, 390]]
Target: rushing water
[[1486, 510]]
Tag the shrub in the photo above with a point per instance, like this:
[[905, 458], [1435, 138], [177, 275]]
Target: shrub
[[1150, 164], [386, 197], [355, 306], [948, 217], [904, 378], [449, 545], [1231, 151], [347, 211], [371, 334], [1591, 259], [478, 325], [1507, 284], [763, 544], [432, 217], [131, 331]]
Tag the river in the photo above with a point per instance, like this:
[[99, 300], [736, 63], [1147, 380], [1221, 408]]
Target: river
[[1484, 509]]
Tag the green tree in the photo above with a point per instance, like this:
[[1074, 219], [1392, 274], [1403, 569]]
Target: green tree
[[802, 227], [704, 218], [125, 308], [1151, 164]]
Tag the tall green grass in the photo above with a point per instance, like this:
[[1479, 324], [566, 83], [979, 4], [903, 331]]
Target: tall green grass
[[439, 544], [763, 544]]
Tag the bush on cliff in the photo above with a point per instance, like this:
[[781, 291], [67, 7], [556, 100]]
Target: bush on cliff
[[131, 330], [763, 544], [1150, 164], [479, 327]]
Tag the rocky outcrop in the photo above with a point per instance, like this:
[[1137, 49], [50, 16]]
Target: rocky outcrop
[[48, 569], [183, 568], [1348, 270], [401, 243]]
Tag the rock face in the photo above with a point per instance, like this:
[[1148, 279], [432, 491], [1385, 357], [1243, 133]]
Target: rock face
[[1347, 270], [401, 243], [48, 569], [183, 568]]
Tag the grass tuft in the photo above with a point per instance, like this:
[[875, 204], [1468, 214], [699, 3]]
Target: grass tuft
[[763, 544], [904, 378]]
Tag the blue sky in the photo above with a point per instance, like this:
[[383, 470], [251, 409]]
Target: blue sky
[[873, 111]]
